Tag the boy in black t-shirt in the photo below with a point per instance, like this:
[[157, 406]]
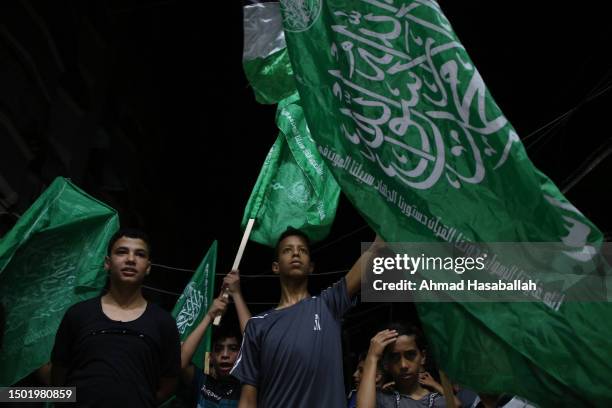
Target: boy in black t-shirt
[[119, 349], [218, 390]]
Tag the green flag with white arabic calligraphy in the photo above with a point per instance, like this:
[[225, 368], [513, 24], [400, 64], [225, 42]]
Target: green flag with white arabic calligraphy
[[295, 187], [52, 258], [192, 305], [415, 139]]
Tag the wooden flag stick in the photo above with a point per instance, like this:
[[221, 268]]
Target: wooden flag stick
[[449, 395], [207, 363], [245, 238]]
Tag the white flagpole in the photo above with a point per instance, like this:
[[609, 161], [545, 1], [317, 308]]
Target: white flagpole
[[245, 238]]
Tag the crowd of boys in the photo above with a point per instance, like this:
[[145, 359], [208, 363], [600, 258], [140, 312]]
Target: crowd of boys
[[121, 350]]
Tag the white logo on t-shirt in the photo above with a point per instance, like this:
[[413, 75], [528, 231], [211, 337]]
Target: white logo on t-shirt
[[317, 326]]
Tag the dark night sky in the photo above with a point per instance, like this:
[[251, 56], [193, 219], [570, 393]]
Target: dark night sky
[[193, 138]]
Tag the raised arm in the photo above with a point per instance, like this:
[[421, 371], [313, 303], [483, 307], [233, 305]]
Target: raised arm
[[232, 283], [366, 395], [190, 345], [353, 277]]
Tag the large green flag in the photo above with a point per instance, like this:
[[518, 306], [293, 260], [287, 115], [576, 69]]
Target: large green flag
[[192, 305], [295, 187], [52, 258], [418, 145], [265, 58]]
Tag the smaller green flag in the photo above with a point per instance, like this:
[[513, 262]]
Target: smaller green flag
[[294, 188], [51, 259], [192, 305]]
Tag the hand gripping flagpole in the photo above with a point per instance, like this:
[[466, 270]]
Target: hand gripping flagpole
[[245, 238]]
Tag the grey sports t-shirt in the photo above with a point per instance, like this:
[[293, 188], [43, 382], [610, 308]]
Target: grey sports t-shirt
[[395, 400], [293, 356]]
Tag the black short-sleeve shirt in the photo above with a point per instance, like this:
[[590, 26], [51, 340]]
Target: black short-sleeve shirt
[[115, 363]]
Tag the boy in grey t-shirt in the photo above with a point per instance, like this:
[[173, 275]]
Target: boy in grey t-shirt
[[402, 353], [291, 356]]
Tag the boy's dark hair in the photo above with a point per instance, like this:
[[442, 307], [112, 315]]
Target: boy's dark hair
[[226, 332], [405, 330], [289, 232], [128, 233], [363, 355]]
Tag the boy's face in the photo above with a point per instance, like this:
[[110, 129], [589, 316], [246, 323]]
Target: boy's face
[[358, 373], [293, 257], [224, 355], [128, 261], [405, 360]]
